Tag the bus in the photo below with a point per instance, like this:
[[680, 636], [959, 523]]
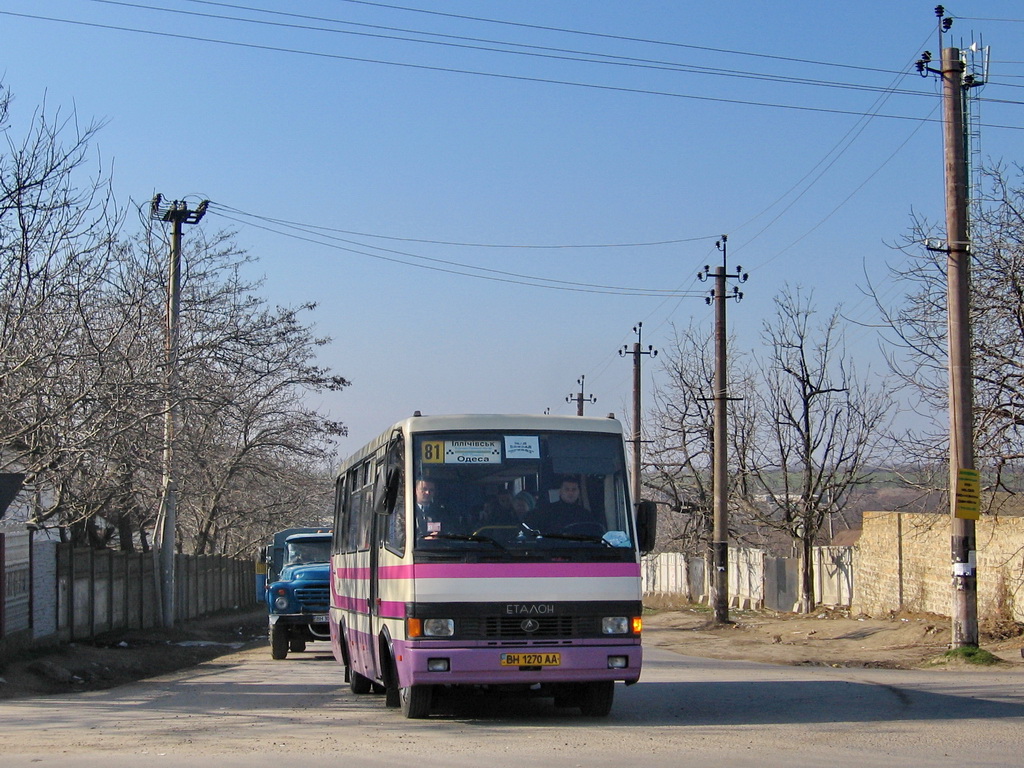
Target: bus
[[500, 552]]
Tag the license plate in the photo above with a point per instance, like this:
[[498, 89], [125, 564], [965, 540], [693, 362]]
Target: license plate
[[320, 618], [531, 659]]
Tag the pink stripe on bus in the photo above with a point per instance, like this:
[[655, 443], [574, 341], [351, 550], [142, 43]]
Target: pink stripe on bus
[[389, 609], [511, 571], [350, 603], [352, 573]]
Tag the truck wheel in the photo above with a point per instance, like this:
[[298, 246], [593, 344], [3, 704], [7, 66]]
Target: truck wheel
[[596, 698], [297, 646], [278, 642], [416, 701]]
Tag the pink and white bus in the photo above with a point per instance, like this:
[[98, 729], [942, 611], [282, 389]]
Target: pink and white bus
[[499, 552]]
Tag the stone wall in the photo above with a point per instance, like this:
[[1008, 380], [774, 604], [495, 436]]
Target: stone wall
[[903, 562]]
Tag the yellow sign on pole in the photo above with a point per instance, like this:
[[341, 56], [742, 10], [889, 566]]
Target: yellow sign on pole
[[968, 494]]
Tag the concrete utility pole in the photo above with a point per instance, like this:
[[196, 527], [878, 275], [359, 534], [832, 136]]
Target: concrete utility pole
[[718, 584], [177, 213], [963, 480], [637, 354], [579, 399]]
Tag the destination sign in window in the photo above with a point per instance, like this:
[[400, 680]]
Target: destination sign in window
[[461, 452]]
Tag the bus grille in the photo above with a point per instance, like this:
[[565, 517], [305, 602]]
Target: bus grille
[[518, 628], [313, 598]]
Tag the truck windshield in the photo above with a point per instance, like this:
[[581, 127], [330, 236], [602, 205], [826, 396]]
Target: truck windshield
[[308, 551], [510, 492]]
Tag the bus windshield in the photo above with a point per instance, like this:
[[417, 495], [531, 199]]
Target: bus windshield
[[515, 492]]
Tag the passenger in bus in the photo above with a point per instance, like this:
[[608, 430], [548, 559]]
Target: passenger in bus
[[504, 521], [567, 514], [498, 509], [523, 505]]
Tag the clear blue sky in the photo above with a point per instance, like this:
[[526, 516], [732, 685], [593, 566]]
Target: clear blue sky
[[529, 123]]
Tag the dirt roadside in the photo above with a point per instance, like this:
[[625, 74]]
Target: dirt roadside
[[124, 657], [824, 638]]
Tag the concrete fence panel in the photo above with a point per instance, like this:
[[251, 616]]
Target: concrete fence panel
[[756, 580]]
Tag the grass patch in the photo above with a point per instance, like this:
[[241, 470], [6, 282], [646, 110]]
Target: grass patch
[[970, 654], [656, 603]]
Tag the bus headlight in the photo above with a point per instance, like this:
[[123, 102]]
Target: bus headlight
[[615, 625], [438, 627]]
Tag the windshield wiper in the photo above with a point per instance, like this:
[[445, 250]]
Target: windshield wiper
[[573, 537], [466, 537]]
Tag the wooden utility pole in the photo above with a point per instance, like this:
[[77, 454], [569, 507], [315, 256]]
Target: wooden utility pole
[[637, 353], [579, 399], [177, 213], [963, 479], [718, 583]]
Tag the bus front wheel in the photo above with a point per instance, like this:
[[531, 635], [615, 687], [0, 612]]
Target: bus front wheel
[[416, 701], [595, 699]]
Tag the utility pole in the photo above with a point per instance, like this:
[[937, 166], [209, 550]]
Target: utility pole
[[579, 399], [177, 213], [718, 583], [637, 354], [964, 481], [961, 395]]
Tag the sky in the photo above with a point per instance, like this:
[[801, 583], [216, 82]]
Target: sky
[[485, 198]]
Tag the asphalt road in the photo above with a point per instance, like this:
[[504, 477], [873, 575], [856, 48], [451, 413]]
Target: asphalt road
[[245, 710]]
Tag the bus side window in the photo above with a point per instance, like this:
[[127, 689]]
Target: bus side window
[[364, 524], [394, 532], [354, 508], [339, 515], [394, 476]]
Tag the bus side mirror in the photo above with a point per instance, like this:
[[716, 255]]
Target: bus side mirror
[[646, 525]]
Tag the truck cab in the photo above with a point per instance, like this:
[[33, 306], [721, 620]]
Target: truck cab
[[298, 589]]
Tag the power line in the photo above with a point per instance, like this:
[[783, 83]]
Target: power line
[[608, 36], [444, 265], [477, 73], [527, 246], [547, 52]]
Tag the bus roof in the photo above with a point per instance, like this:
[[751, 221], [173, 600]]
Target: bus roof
[[489, 421]]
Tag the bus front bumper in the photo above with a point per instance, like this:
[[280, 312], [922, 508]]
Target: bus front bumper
[[452, 664]]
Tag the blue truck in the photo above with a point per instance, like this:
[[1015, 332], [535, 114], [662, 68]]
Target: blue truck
[[298, 588]]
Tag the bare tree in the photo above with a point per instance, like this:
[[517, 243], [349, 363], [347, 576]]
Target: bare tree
[[82, 357], [248, 442], [917, 327], [819, 429], [57, 243], [679, 465]]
